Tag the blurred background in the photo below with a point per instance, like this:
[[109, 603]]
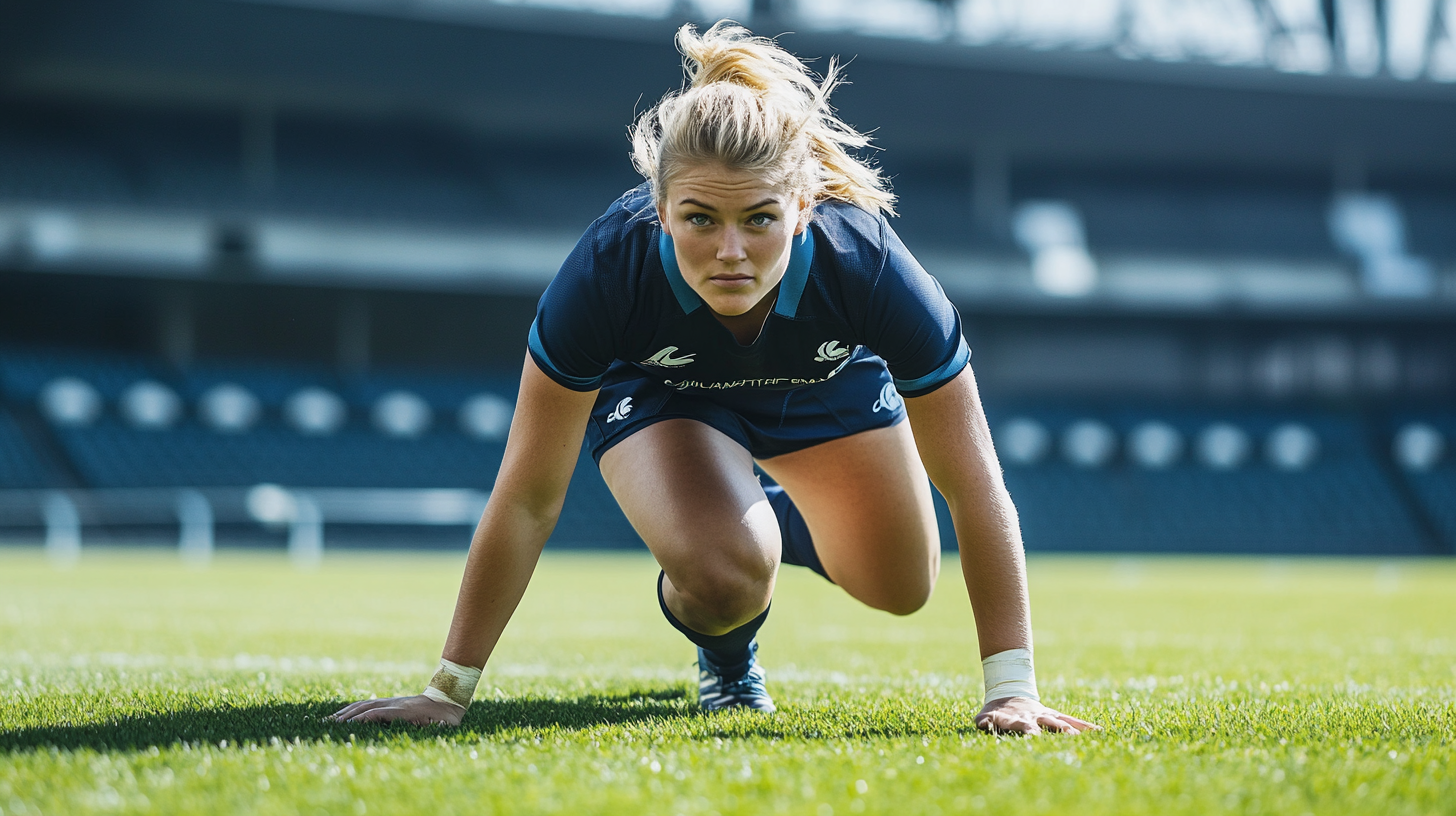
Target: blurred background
[[267, 266]]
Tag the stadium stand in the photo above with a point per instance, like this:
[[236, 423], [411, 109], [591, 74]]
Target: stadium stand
[[1351, 498], [1429, 217], [1100, 477], [417, 173], [1194, 215], [112, 452], [19, 464], [32, 169], [1430, 478], [1342, 501], [24, 373]]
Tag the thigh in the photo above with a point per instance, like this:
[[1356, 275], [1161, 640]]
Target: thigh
[[866, 500], [690, 491]]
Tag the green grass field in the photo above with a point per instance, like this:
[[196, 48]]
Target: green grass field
[[131, 684]]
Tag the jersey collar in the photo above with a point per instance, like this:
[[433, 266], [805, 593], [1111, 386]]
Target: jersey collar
[[796, 277]]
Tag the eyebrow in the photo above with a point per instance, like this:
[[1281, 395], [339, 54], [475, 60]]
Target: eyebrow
[[759, 205]]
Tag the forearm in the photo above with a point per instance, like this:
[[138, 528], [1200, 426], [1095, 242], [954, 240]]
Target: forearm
[[541, 452], [503, 555], [954, 440], [995, 570]]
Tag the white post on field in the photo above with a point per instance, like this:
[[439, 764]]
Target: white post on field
[[306, 533], [195, 537], [63, 529]]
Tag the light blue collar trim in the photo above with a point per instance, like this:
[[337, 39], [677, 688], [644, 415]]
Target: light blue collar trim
[[686, 297], [796, 277]]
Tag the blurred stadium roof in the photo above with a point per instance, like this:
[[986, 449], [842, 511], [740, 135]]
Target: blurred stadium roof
[[1404, 39], [464, 143], [1170, 81]]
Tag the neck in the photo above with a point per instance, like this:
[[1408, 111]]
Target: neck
[[748, 326]]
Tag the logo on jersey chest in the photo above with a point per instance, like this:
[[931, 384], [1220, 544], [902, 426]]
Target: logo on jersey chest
[[831, 352], [664, 358]]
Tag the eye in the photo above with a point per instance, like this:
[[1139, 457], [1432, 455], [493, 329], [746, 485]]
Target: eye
[[699, 220], [761, 219]]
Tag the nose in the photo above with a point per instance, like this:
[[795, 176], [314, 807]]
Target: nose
[[731, 249]]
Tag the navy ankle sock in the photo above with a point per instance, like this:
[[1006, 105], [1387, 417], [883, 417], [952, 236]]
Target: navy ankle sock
[[730, 652]]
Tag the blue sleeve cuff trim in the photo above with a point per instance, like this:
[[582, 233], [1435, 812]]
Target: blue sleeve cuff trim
[[940, 376], [538, 351]]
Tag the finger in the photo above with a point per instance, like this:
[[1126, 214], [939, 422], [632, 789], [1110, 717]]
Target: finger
[[1051, 722], [1000, 722], [995, 722], [361, 706], [354, 708], [382, 714], [1081, 725]]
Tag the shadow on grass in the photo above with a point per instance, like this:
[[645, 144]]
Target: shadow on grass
[[305, 722]]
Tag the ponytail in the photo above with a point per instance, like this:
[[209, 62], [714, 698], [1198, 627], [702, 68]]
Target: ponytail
[[750, 105]]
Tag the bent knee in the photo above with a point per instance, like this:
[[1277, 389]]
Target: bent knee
[[726, 596], [903, 602], [903, 592]]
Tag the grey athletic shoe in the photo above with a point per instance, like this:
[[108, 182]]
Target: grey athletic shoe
[[717, 692]]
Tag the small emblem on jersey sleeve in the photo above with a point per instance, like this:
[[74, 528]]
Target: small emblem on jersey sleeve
[[624, 408], [664, 358], [831, 351], [889, 399]]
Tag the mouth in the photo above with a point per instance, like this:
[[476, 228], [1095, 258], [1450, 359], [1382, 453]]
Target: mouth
[[731, 280]]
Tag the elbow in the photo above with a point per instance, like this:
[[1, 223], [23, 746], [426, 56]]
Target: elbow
[[530, 514]]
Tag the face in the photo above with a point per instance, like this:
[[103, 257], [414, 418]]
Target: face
[[732, 233]]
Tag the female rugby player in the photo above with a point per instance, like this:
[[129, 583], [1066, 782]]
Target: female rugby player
[[749, 304]]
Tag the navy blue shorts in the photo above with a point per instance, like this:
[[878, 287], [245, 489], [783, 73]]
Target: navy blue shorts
[[860, 397]]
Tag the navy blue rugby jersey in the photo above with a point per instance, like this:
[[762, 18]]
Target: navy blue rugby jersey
[[851, 288]]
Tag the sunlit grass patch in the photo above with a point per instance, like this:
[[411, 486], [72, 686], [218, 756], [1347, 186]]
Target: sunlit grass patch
[[132, 684]]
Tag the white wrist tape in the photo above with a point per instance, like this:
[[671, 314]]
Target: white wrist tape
[[453, 683], [1010, 674]]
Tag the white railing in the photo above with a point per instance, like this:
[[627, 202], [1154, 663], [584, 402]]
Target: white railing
[[196, 512]]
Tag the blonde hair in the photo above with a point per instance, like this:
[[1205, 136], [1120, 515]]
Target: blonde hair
[[750, 105]]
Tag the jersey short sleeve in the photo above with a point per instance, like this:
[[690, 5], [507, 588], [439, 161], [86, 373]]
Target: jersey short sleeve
[[571, 339], [579, 320], [911, 323]]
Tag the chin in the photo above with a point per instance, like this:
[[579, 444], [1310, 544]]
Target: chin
[[732, 305], [731, 309]]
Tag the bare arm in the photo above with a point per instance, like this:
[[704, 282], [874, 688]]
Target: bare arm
[[954, 441], [541, 453], [955, 444]]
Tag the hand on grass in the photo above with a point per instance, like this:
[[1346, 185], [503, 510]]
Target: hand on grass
[[419, 710], [1019, 715]]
